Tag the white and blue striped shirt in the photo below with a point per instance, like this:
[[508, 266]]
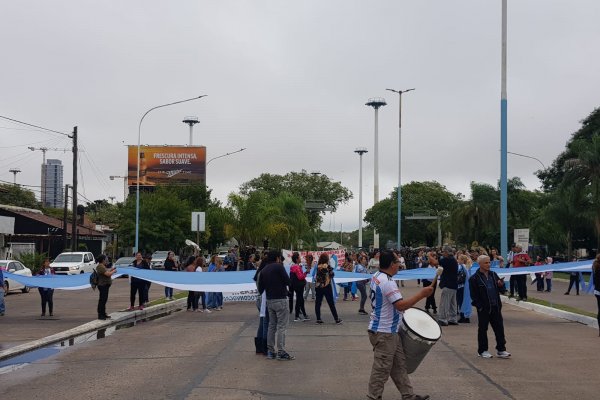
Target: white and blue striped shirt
[[384, 293]]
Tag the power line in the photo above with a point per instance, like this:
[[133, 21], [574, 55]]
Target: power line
[[35, 126]]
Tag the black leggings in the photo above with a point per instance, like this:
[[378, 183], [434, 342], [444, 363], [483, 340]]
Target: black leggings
[[573, 280], [46, 295], [299, 291], [137, 288], [361, 286], [327, 291]]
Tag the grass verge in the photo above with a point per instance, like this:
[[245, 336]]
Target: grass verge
[[561, 307]]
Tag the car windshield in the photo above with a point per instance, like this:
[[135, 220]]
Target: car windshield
[[125, 260], [160, 254], [3, 264], [69, 258]]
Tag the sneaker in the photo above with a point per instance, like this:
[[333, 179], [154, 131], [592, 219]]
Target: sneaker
[[306, 318], [319, 321], [140, 308], [363, 312], [285, 357], [435, 311], [485, 354], [207, 311], [199, 310], [131, 308], [297, 319], [270, 355], [503, 354], [339, 321]]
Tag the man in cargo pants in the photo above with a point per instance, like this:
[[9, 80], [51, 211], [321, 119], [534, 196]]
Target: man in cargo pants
[[388, 306]]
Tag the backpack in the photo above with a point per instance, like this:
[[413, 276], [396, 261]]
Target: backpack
[[94, 279]]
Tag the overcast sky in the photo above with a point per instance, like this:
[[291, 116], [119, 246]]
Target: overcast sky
[[289, 82]]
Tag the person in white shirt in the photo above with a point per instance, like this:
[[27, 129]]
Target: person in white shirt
[[388, 306]]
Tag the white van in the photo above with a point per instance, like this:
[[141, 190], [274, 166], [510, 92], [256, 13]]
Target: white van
[[73, 263]]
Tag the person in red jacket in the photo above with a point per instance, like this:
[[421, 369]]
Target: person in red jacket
[[521, 259], [46, 294], [298, 281]]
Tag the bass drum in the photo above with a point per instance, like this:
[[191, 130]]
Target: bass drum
[[419, 332]]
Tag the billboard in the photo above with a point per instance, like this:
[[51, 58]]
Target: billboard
[[161, 165]]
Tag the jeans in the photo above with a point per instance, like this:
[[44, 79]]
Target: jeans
[[430, 301], [548, 285], [46, 295], [326, 292], [310, 287], [448, 305], [168, 292], [573, 280], [263, 325], [278, 320], [2, 306], [299, 301], [103, 298], [494, 318], [388, 360], [361, 286]]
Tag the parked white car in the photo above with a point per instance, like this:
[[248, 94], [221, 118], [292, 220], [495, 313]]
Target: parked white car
[[73, 263], [18, 268]]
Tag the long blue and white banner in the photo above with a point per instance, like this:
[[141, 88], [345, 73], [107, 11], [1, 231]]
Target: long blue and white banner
[[242, 281]]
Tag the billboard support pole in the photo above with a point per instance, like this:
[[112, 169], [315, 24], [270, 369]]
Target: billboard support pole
[[137, 182]]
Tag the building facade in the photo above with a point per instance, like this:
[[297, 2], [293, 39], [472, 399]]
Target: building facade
[[52, 184]]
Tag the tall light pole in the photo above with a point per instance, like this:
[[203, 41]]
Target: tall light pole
[[503, 144], [113, 177], [360, 151], [14, 171], [191, 121], [137, 183], [376, 103], [399, 232]]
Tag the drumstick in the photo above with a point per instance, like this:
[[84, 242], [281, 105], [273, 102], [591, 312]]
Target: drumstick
[[438, 273]]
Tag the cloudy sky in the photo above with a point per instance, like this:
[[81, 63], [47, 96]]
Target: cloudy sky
[[289, 81]]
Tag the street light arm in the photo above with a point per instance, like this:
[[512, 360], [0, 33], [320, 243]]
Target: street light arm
[[225, 155], [523, 155], [137, 190]]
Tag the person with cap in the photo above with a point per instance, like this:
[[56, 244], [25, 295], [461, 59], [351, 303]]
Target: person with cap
[[388, 352]]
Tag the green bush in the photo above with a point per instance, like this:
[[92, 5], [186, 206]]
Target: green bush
[[33, 261]]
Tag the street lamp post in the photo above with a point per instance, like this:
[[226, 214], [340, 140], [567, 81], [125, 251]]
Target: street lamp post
[[376, 103], [113, 177], [137, 183], [399, 232], [360, 151], [503, 143]]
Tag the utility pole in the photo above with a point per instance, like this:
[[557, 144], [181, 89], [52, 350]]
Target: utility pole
[[376, 103], [360, 151], [503, 143], [65, 217], [74, 222]]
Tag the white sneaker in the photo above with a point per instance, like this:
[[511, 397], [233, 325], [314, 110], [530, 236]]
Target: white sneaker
[[485, 354], [207, 311], [503, 354]]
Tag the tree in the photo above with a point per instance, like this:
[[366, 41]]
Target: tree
[[428, 197], [15, 195], [304, 186]]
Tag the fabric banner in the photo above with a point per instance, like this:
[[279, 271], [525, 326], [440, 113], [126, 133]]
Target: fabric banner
[[242, 281], [287, 255]]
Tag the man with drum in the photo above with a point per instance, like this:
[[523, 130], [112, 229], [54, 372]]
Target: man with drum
[[388, 306], [485, 286]]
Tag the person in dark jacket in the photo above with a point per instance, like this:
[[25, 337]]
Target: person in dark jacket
[[449, 285], [485, 297], [104, 282], [46, 294], [170, 264], [138, 286]]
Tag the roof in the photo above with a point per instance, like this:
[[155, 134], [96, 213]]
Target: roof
[[36, 215], [330, 245]]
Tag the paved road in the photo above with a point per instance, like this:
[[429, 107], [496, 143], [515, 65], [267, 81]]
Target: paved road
[[211, 356]]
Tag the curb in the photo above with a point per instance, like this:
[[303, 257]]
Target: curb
[[553, 312], [95, 325]]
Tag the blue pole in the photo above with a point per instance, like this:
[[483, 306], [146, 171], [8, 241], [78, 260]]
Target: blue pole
[[503, 145]]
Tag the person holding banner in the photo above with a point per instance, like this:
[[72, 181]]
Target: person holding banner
[[388, 306], [46, 294], [298, 281], [104, 282], [361, 268], [324, 288], [310, 285], [138, 286]]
